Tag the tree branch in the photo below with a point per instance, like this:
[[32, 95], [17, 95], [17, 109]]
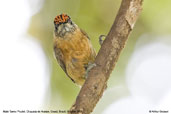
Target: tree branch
[[107, 57]]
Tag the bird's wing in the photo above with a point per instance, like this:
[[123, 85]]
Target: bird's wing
[[59, 57], [92, 55]]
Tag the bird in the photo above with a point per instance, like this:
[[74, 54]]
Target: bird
[[73, 49]]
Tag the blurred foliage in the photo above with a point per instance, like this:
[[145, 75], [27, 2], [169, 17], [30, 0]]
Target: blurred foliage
[[95, 17]]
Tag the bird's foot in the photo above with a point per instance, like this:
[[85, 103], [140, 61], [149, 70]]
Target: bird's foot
[[89, 67], [101, 39]]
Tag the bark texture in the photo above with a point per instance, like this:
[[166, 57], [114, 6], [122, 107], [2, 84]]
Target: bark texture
[[107, 57]]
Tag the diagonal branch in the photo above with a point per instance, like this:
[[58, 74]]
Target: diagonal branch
[[107, 57]]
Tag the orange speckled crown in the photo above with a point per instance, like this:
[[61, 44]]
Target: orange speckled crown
[[63, 18]]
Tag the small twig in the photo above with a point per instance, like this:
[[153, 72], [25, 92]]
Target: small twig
[[107, 57]]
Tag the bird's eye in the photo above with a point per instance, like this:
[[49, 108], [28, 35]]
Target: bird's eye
[[71, 22]]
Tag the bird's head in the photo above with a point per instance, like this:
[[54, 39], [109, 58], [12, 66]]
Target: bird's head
[[63, 24]]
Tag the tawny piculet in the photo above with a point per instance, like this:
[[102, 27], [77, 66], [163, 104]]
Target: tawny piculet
[[73, 49]]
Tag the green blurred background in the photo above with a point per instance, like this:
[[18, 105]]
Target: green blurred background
[[95, 17]]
